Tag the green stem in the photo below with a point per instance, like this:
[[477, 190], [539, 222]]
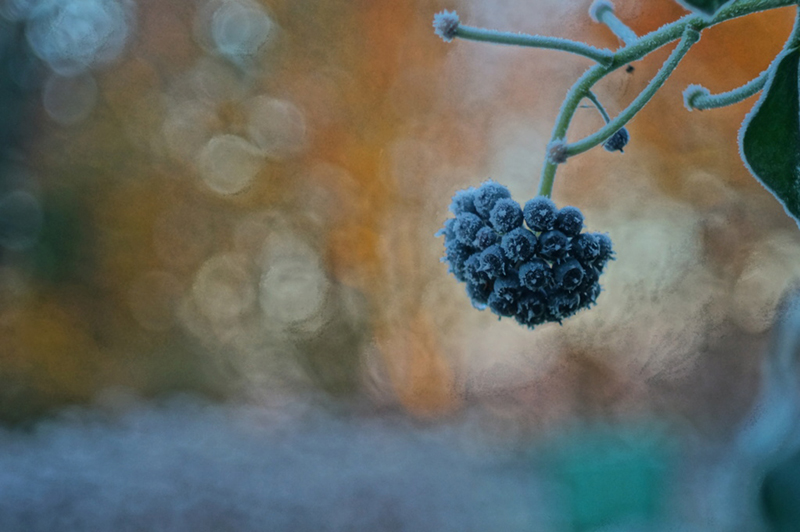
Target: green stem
[[633, 52], [690, 37], [605, 15], [599, 106], [536, 41], [574, 96], [699, 98]]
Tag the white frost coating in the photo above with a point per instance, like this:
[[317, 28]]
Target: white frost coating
[[598, 7]]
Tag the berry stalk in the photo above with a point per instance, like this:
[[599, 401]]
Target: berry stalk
[[643, 46], [699, 98], [471, 33], [602, 11], [690, 37]]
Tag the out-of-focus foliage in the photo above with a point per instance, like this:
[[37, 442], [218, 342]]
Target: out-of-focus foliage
[[238, 199]]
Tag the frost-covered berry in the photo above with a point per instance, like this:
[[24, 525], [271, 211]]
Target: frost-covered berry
[[486, 237], [506, 215], [589, 288], [447, 231], [507, 287], [589, 294], [553, 245], [585, 247], [494, 262], [543, 272], [531, 309], [568, 274], [472, 270], [445, 25], [535, 274], [501, 306], [519, 244], [540, 213], [479, 294], [463, 201], [487, 196], [606, 250], [617, 141], [456, 255], [466, 227], [563, 304], [569, 221]]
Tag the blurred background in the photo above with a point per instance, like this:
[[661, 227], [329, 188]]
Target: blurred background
[[217, 257]]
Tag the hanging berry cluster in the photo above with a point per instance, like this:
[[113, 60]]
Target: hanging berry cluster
[[544, 272]]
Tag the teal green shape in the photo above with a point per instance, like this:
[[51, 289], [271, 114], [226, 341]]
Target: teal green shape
[[610, 479]]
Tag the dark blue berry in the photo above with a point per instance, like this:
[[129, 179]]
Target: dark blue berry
[[585, 247], [553, 245], [590, 285], [617, 141], [487, 195], [479, 294], [562, 305], [532, 309], [466, 227], [456, 255], [501, 306], [606, 250], [535, 274], [540, 213], [472, 270], [447, 231], [568, 274], [506, 215], [486, 237], [519, 244], [507, 287], [463, 201], [569, 221], [494, 262], [589, 294]]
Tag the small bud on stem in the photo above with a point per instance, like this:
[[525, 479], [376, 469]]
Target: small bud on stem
[[445, 25]]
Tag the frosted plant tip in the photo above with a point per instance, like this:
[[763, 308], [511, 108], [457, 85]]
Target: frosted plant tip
[[445, 25], [599, 7], [617, 141], [691, 94], [557, 151]]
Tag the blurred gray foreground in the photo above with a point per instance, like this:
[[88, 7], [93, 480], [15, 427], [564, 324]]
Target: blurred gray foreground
[[191, 465]]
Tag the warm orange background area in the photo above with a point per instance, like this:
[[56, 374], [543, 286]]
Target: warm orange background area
[[393, 121]]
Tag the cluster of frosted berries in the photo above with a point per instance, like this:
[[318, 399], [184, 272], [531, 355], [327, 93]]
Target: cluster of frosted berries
[[533, 264]]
